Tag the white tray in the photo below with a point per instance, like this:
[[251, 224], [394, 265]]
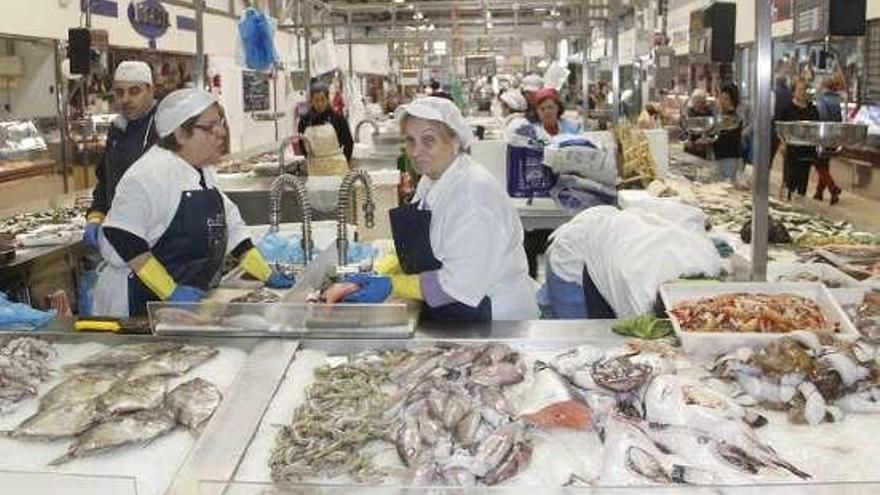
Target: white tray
[[778, 269], [711, 345]]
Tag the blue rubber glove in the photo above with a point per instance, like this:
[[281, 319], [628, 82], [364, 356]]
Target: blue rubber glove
[[90, 235], [279, 280], [186, 294], [373, 288]]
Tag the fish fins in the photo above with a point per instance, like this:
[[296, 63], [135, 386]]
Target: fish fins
[[791, 468]]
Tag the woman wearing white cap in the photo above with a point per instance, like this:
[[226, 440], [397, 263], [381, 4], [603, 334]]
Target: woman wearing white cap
[[130, 136], [513, 108], [459, 244], [169, 227]]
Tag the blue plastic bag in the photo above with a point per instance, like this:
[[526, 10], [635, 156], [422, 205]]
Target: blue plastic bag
[[16, 315], [257, 32], [277, 249]]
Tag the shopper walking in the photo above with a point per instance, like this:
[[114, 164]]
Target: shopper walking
[[798, 159], [828, 103]]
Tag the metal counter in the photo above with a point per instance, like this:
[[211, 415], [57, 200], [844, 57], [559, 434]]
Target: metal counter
[[37, 272]]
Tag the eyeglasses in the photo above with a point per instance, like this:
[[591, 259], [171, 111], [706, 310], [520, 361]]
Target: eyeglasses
[[220, 124]]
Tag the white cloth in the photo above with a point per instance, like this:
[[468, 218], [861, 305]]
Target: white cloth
[[629, 254], [145, 204], [515, 100], [179, 106], [513, 122], [133, 71], [327, 156], [532, 82], [441, 110], [477, 235]]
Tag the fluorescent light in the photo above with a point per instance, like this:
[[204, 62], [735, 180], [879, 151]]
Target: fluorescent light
[[488, 25], [399, 1]]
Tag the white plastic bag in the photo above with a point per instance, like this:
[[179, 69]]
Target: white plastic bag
[[587, 161]]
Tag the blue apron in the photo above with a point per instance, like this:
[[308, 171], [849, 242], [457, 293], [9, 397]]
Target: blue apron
[[411, 229], [597, 306], [192, 249]]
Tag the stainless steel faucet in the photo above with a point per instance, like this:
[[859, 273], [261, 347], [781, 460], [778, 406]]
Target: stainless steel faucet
[[298, 186], [346, 188], [357, 128]]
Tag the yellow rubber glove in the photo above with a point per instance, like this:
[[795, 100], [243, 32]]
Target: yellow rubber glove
[[255, 265], [406, 286], [95, 217], [388, 265], [156, 278]]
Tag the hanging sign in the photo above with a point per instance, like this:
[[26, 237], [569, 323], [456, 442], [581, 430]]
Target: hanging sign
[[148, 18]]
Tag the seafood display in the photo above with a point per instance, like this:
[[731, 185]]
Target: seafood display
[[810, 277], [443, 408], [261, 295], [24, 364], [29, 222], [866, 315], [814, 377], [119, 396], [744, 312]]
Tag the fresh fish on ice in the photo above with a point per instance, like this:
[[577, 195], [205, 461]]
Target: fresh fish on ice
[[681, 401], [78, 388], [549, 403], [133, 395], [137, 427], [66, 420], [499, 374], [194, 402], [126, 354], [175, 362]]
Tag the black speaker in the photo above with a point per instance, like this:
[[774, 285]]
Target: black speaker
[[847, 17], [79, 45], [721, 19]]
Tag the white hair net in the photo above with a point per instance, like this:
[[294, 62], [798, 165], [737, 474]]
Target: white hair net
[[698, 94], [133, 71], [180, 106], [514, 99], [440, 110], [532, 82]]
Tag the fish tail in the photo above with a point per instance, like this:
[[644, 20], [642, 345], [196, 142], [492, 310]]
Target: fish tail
[[69, 456], [791, 468]]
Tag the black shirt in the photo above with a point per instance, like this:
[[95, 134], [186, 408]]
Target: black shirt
[[729, 142], [793, 113]]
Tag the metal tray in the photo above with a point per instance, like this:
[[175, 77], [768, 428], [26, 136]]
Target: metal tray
[[822, 134]]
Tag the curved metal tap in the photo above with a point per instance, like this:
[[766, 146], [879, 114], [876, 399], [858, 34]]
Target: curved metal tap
[[344, 204], [298, 186], [357, 128]]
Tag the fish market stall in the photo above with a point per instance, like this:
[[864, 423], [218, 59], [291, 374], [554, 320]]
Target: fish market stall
[[553, 404], [129, 408]]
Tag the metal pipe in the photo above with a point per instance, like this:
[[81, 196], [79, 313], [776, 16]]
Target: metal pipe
[[350, 49], [357, 128], [585, 57], [61, 110], [298, 186], [307, 39], [344, 205], [615, 62], [200, 44], [763, 127]]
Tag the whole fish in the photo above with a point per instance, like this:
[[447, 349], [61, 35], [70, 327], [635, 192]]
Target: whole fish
[[126, 354], [66, 420], [137, 427], [499, 374], [493, 449], [514, 462], [174, 362], [78, 388], [194, 402], [133, 395]]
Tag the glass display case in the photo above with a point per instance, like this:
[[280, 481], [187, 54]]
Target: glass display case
[[23, 150]]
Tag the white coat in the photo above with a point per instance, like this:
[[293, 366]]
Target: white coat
[[477, 235], [145, 203]]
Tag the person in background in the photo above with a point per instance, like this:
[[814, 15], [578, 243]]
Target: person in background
[[798, 159], [828, 102], [729, 147], [651, 117], [530, 85], [459, 243], [697, 106], [169, 227], [513, 107], [130, 136], [549, 109], [328, 133], [339, 101]]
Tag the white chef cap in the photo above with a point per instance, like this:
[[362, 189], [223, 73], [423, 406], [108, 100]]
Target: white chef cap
[[514, 99], [133, 71], [532, 82], [180, 106], [698, 94], [440, 110]]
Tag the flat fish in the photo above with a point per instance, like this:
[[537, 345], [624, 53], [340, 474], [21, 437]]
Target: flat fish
[[175, 362], [194, 402], [66, 420], [78, 388], [572, 414], [137, 427], [133, 395], [126, 354]]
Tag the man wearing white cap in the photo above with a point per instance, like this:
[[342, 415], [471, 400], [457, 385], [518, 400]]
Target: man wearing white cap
[[169, 227], [459, 243], [131, 134]]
